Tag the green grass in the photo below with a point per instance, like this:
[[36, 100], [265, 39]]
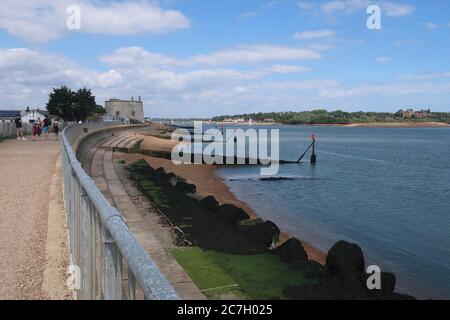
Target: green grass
[[6, 138], [136, 147], [260, 277], [204, 271], [154, 192]]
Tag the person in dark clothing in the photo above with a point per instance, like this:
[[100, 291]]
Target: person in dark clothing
[[56, 128], [45, 127], [19, 128]]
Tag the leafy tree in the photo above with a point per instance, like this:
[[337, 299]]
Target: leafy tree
[[84, 104], [61, 103], [72, 106]]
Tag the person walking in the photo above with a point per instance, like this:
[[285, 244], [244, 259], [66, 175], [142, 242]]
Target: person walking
[[56, 128], [39, 126], [45, 127], [19, 128], [35, 130]]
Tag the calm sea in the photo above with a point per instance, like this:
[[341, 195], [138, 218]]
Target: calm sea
[[387, 190]]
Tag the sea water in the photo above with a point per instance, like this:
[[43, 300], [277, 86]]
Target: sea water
[[387, 190]]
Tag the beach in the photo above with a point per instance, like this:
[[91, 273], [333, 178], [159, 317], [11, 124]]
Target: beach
[[408, 124], [207, 181]]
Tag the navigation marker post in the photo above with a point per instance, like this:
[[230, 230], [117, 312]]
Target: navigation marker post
[[314, 156]]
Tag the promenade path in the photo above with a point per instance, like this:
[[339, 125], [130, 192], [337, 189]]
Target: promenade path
[[33, 248]]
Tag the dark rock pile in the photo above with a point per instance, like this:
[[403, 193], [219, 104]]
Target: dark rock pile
[[342, 278]]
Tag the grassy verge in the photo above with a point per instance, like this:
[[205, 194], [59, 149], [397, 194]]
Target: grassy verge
[[206, 274], [258, 277], [6, 138]]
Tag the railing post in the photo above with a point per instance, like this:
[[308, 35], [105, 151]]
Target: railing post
[[131, 286], [86, 255], [113, 269]]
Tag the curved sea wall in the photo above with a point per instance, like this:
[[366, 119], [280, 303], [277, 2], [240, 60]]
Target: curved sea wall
[[83, 137]]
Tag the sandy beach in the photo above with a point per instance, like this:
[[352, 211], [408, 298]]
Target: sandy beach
[[400, 125], [356, 125], [207, 181]]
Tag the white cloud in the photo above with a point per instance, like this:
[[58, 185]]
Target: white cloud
[[407, 43], [383, 60], [431, 26], [348, 6], [248, 14], [34, 72], [303, 5], [29, 74], [314, 34], [397, 10], [40, 21], [426, 76], [242, 54], [390, 8], [132, 56], [390, 89], [300, 85], [287, 69], [179, 87], [255, 54]]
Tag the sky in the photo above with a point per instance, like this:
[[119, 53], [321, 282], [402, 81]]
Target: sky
[[200, 58]]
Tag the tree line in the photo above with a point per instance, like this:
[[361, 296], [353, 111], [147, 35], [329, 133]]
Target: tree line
[[333, 117], [71, 105]]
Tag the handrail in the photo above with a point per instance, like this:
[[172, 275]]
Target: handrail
[[100, 238]]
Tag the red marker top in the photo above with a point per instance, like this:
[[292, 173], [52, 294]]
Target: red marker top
[[314, 137]]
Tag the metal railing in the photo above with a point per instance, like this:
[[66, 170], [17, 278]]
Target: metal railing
[[101, 245]]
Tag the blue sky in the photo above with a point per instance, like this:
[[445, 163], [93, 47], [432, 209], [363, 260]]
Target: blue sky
[[204, 58]]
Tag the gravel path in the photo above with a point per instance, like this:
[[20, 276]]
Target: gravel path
[[26, 170]]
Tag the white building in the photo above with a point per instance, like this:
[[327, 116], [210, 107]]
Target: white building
[[33, 115]]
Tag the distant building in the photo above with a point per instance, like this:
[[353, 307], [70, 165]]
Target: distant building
[[125, 109], [31, 116], [8, 115], [234, 120], [411, 114], [28, 116]]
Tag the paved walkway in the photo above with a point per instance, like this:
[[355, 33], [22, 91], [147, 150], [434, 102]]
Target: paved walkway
[[27, 170]]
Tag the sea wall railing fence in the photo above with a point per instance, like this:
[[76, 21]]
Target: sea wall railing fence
[[8, 129], [107, 262]]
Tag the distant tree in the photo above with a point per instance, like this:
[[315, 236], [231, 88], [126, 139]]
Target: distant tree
[[100, 110], [60, 103], [84, 104], [97, 114], [71, 106]]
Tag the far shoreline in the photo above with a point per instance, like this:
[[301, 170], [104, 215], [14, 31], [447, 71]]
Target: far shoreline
[[375, 125]]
